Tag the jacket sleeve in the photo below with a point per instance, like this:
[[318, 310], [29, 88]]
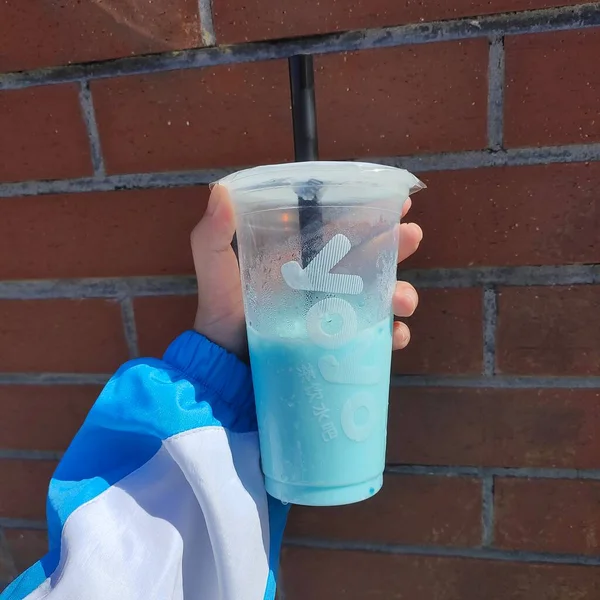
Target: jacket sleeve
[[160, 495]]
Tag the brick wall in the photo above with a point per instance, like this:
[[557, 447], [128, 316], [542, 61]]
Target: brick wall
[[111, 129]]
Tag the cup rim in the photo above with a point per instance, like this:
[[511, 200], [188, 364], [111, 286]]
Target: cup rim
[[319, 173]]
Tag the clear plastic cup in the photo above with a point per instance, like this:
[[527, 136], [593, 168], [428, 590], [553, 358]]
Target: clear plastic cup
[[318, 247]]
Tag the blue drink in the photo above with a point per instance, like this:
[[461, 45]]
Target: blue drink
[[323, 414]]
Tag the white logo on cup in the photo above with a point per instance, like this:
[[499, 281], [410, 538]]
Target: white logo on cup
[[349, 370], [345, 332], [316, 277], [357, 417]]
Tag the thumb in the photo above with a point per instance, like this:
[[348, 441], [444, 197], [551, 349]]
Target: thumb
[[215, 230], [220, 315]]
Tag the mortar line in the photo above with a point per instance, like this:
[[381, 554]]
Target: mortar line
[[490, 321], [110, 287], [497, 382], [54, 378], [129, 326], [412, 381], [487, 511], [10, 523], [563, 275], [30, 455], [492, 472], [435, 470], [517, 23], [544, 473], [447, 552], [185, 285], [451, 161], [496, 82], [207, 26], [476, 159], [89, 117], [110, 183]]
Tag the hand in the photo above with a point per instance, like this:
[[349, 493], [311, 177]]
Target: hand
[[220, 315], [405, 299]]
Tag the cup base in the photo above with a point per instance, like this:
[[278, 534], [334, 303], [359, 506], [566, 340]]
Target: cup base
[[307, 495]]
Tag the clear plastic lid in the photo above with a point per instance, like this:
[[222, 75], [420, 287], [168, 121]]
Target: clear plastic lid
[[328, 182]]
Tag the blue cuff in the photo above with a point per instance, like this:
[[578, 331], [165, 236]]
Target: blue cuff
[[210, 365]]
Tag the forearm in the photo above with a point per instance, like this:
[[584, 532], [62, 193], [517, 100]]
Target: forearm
[[161, 489]]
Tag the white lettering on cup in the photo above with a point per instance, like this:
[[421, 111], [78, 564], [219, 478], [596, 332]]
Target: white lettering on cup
[[357, 417], [348, 370], [329, 309], [316, 276]]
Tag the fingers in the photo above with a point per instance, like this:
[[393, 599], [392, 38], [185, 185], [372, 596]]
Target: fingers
[[406, 206], [410, 237], [400, 335], [405, 299]]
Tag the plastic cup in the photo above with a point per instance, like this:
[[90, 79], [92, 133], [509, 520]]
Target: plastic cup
[[318, 247]]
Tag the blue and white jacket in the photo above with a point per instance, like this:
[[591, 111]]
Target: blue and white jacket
[[160, 495]]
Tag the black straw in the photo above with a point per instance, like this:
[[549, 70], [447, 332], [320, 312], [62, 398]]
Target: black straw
[[306, 148], [304, 115]]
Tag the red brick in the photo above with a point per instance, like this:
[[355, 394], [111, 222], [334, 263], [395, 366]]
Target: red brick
[[160, 319], [216, 117], [323, 574], [61, 336], [552, 95], [442, 511], [24, 488], [73, 31], [242, 20], [558, 516], [27, 546], [99, 234], [494, 427], [549, 331], [446, 334], [43, 134], [398, 100], [8, 570], [43, 417], [534, 215]]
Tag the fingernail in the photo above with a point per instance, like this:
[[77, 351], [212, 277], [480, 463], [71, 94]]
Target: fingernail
[[415, 226], [411, 298], [213, 201], [405, 337]]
